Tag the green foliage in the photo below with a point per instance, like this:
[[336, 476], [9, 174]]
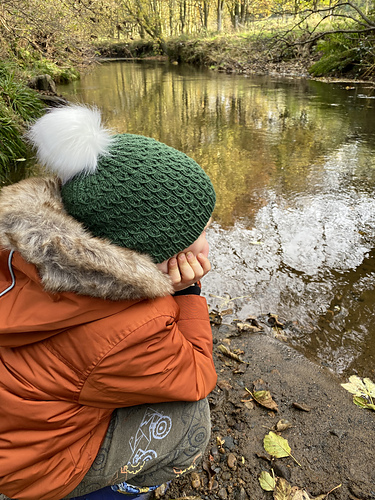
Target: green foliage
[[18, 104], [342, 53]]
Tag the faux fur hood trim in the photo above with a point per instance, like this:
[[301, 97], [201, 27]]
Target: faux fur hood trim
[[68, 258]]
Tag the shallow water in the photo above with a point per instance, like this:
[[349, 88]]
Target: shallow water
[[293, 165]]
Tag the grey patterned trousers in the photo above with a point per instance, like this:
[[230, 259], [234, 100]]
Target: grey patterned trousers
[[148, 445]]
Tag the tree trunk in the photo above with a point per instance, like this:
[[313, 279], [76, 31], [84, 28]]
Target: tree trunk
[[206, 9], [220, 8]]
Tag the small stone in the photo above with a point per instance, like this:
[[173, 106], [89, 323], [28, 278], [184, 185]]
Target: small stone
[[222, 494], [214, 451], [229, 443], [241, 494], [231, 461], [226, 476]]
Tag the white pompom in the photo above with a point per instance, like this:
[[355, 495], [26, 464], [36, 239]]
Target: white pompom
[[69, 140]]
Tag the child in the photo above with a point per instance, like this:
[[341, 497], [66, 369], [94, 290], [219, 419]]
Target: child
[[105, 343]]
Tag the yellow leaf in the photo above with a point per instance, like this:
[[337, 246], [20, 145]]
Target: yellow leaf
[[267, 482], [276, 445]]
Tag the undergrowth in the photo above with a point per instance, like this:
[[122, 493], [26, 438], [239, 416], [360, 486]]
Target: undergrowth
[[18, 105]]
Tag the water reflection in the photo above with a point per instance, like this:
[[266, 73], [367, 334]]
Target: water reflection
[[293, 166]]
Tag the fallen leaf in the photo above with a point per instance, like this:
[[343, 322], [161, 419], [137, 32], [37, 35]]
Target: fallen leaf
[[224, 384], [282, 490], [247, 327], [282, 425], [277, 446], [267, 482], [264, 398], [215, 318], [362, 403], [210, 472], [363, 392], [195, 480], [298, 494], [224, 350]]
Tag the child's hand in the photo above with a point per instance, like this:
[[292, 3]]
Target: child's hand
[[185, 269]]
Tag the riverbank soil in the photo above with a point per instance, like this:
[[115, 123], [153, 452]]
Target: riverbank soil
[[331, 438]]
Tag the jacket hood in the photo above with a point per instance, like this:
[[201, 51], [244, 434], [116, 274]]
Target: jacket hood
[[68, 258]]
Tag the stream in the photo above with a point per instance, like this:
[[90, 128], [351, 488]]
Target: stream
[[293, 165]]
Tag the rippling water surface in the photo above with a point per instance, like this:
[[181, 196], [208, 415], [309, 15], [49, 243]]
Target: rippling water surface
[[293, 165]]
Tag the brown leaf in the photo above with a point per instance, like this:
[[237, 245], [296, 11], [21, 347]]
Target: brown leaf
[[247, 327], [215, 318], [297, 494], [195, 480], [282, 425], [224, 384], [264, 398], [224, 350], [211, 474], [282, 490]]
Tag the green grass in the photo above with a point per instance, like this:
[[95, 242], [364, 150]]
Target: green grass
[[18, 105]]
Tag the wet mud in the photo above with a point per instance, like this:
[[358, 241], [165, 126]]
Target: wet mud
[[330, 437]]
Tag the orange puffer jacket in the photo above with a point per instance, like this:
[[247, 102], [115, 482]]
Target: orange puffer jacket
[[85, 327]]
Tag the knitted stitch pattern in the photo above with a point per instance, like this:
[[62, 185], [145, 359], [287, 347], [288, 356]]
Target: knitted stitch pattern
[[144, 195]]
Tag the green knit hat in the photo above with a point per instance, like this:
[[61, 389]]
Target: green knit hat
[[133, 190]]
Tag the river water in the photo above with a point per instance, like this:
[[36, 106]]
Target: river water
[[293, 165]]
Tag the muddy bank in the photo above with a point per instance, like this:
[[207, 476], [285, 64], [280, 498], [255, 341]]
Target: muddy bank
[[330, 437]]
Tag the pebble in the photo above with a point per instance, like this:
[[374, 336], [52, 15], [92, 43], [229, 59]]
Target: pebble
[[241, 494], [231, 461], [229, 443], [222, 494], [226, 476], [214, 451]]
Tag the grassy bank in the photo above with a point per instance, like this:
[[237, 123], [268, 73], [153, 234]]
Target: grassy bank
[[19, 104], [261, 52]]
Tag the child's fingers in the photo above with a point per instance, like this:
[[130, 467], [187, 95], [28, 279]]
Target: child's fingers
[[174, 271], [205, 263], [186, 270]]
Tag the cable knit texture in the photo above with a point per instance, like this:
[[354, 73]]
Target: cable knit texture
[[144, 195]]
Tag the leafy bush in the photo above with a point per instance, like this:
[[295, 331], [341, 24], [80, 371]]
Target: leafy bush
[[343, 53]]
